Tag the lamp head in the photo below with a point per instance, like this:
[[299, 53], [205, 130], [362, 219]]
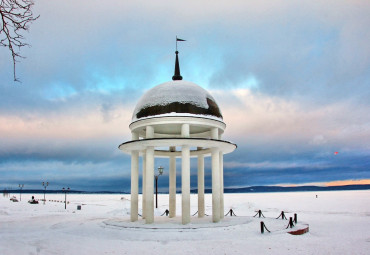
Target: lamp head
[[160, 170]]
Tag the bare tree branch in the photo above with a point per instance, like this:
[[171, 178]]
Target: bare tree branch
[[16, 16]]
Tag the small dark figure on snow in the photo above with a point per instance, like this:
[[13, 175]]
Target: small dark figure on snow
[[33, 200]]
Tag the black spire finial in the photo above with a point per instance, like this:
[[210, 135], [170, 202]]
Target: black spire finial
[[177, 76]]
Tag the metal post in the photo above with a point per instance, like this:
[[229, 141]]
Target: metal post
[[65, 197], [160, 172], [20, 191], [291, 222], [156, 191], [262, 227], [45, 185]]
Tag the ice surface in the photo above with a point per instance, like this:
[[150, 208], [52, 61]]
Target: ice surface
[[339, 224]]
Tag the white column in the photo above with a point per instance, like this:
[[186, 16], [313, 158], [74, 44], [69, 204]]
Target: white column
[[149, 179], [149, 183], [172, 177], [143, 188], [134, 181], [185, 184], [185, 176], [134, 185], [222, 207], [201, 208], [215, 185], [215, 153]]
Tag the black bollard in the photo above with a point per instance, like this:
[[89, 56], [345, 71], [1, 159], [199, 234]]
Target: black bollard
[[282, 215], [295, 218], [291, 222], [262, 227], [259, 213]]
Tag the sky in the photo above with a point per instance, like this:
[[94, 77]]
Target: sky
[[292, 79]]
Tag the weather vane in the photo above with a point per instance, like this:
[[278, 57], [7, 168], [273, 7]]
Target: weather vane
[[179, 40]]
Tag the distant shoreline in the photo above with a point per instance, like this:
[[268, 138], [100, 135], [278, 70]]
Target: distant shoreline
[[253, 189]]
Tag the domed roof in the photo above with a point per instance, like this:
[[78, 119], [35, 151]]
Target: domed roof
[[177, 98]]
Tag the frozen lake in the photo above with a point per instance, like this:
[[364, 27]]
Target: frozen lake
[[339, 224]]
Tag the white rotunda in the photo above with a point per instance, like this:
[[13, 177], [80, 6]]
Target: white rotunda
[[177, 119]]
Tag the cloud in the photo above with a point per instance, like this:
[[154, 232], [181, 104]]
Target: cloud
[[250, 116], [318, 140], [292, 80]]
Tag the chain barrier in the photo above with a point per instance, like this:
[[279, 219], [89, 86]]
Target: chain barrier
[[263, 227], [167, 212], [259, 213], [197, 213], [290, 224], [231, 212], [282, 215]]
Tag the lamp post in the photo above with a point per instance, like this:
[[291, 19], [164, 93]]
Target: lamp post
[[160, 172], [20, 192], [45, 185], [65, 196]]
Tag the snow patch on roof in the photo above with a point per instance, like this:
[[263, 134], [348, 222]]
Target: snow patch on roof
[[174, 91]]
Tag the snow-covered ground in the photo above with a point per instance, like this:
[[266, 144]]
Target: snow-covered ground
[[339, 223]]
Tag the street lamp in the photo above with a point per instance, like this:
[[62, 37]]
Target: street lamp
[[65, 196], [160, 172], [20, 192], [45, 185]]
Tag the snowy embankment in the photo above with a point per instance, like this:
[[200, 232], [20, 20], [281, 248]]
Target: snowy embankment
[[339, 224]]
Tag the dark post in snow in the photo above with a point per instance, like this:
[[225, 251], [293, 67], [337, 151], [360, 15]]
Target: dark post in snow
[[65, 196], [45, 185], [282, 215], [262, 228], [295, 218], [160, 172], [291, 222], [20, 191]]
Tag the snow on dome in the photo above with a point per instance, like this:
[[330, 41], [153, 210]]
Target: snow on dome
[[177, 98]]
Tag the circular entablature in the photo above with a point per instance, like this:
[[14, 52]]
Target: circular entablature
[[142, 144], [171, 125]]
